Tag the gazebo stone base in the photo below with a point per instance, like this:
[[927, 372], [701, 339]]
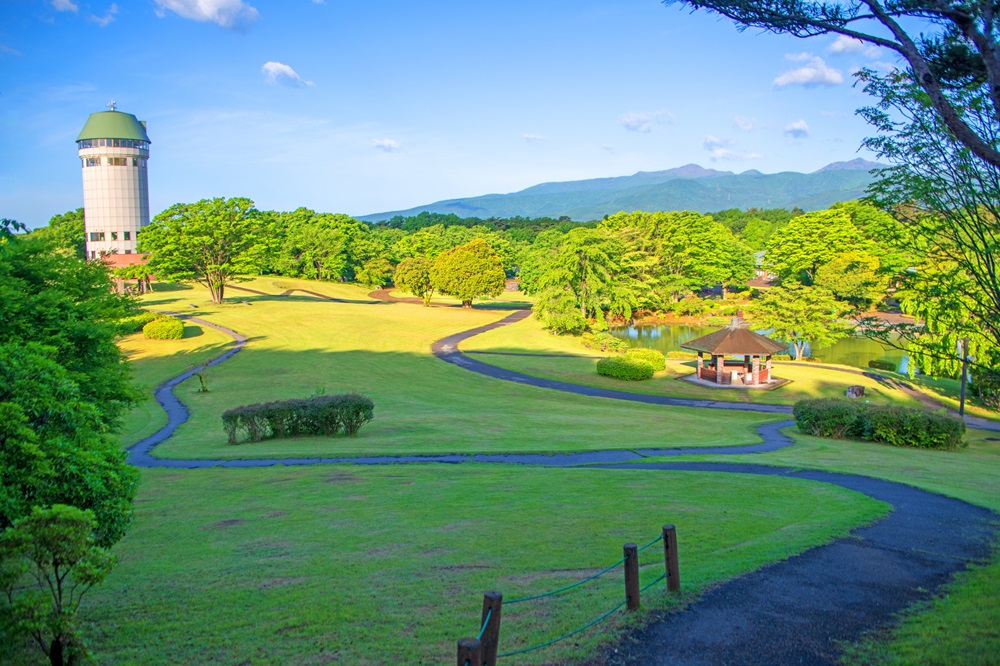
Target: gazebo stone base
[[776, 382]]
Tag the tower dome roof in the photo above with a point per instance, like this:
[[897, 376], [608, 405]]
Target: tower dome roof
[[113, 125]]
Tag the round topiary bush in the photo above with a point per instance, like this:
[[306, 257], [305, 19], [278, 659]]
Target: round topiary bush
[[623, 367], [136, 322], [164, 328], [651, 356]]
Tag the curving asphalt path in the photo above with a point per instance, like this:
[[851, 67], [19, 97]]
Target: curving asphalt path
[[790, 612]]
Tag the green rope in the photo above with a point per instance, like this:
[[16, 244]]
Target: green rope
[[651, 543], [489, 614], [563, 637], [568, 587], [662, 577]]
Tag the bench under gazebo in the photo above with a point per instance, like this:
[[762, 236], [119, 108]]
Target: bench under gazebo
[[736, 342]]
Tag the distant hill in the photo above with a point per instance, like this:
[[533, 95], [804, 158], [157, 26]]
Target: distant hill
[[689, 187]]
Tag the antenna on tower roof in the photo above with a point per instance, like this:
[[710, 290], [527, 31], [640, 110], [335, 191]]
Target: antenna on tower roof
[[113, 105]]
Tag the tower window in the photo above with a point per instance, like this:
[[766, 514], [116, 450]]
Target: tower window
[[127, 251], [135, 161], [114, 235], [96, 236], [117, 161], [127, 235], [92, 161]]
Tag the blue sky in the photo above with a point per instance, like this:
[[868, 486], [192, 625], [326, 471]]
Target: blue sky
[[359, 106]]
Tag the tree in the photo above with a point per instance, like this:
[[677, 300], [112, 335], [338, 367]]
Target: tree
[[48, 562], [801, 315], [963, 51], [53, 445], [212, 241], [809, 241], [585, 265], [70, 307], [854, 277], [413, 275], [313, 246], [66, 232], [468, 272], [374, 273]]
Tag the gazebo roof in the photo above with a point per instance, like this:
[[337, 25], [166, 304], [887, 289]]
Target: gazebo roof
[[735, 340]]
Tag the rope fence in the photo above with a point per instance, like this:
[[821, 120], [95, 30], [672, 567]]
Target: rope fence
[[483, 650]]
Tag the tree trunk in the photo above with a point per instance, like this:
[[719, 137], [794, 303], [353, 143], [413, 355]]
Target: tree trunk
[[467, 304], [56, 653], [800, 346]]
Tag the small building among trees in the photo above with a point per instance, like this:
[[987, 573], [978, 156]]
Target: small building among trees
[[735, 341]]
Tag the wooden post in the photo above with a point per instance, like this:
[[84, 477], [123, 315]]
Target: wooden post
[[965, 374], [491, 635], [670, 558], [631, 576], [470, 652]]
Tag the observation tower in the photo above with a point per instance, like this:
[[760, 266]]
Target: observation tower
[[114, 149]]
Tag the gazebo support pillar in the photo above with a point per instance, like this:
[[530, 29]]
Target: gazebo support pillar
[[755, 373], [720, 367], [701, 366]]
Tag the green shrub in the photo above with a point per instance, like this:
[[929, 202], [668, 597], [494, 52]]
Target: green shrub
[[651, 356], [623, 367], [882, 365], [318, 415], [135, 323], [691, 305], [604, 342], [164, 328], [886, 424], [830, 417], [782, 357], [685, 355]]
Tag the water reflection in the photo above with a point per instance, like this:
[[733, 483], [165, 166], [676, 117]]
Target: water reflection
[[851, 351]]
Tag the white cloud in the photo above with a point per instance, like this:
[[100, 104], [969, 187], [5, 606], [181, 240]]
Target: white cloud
[[65, 6], [845, 44], [814, 73], [643, 121], [234, 14], [105, 20], [388, 145], [797, 129], [531, 138], [744, 123], [9, 50], [279, 72], [713, 142]]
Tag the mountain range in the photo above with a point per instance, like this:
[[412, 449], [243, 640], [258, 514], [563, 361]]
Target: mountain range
[[689, 187]]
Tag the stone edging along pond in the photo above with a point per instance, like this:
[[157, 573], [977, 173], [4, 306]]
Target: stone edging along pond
[[794, 611]]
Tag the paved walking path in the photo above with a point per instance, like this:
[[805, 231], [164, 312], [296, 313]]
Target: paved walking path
[[790, 612]]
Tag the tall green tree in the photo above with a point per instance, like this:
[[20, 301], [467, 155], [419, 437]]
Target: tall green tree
[[66, 232], [48, 561], [854, 277], [801, 315], [811, 240], [468, 272], [413, 275], [213, 241]]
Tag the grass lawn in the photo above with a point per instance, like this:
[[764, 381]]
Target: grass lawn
[[961, 626], [362, 565], [526, 347], [156, 360], [300, 345], [345, 564]]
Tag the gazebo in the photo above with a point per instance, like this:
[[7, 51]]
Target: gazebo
[[735, 341]]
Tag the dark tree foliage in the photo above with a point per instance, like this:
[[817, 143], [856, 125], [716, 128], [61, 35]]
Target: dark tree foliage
[[68, 306], [66, 232]]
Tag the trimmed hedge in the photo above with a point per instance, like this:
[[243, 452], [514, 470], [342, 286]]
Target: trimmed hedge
[[685, 355], [886, 424], [320, 415], [651, 356], [623, 367], [882, 365], [164, 328], [135, 323]]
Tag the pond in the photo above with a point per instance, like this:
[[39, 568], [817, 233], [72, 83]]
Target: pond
[[853, 351]]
